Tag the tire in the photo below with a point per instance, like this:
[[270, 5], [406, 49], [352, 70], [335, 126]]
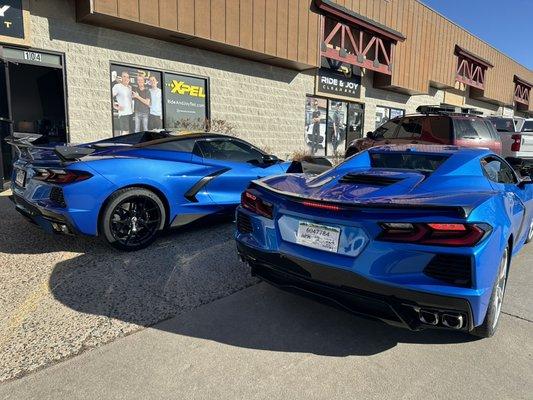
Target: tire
[[490, 324], [132, 218], [530, 233]]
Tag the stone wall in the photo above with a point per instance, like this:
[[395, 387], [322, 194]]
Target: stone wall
[[266, 104]]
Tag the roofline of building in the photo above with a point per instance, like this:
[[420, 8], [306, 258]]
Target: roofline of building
[[470, 33]]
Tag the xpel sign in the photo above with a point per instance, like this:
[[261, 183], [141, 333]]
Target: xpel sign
[[11, 19]]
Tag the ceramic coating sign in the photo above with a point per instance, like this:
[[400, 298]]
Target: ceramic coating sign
[[11, 19], [336, 83]]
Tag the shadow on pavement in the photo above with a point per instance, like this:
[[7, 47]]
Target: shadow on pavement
[[194, 266]]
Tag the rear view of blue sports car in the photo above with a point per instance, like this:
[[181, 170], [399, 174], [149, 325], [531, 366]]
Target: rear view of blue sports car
[[129, 188], [419, 237]]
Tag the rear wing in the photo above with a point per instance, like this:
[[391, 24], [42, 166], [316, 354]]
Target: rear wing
[[385, 204], [25, 148]]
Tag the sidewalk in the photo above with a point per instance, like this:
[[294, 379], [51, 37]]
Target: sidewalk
[[263, 343]]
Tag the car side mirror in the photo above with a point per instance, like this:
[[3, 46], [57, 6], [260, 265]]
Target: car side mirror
[[370, 134], [525, 181], [270, 158]]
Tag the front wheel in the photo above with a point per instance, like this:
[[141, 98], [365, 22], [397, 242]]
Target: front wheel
[[132, 218], [488, 328]]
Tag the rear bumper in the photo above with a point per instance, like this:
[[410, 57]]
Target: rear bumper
[[352, 292], [48, 220]]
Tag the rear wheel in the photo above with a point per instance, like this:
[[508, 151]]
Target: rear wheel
[[132, 218], [488, 328]]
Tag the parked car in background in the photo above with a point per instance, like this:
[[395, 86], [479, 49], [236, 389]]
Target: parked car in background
[[416, 236], [127, 189], [433, 125], [517, 141]]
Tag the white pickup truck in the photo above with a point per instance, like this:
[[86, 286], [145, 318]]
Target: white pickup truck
[[517, 141]]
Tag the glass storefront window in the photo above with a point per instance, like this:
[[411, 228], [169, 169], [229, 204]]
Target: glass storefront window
[[316, 112], [336, 129], [330, 125], [144, 99]]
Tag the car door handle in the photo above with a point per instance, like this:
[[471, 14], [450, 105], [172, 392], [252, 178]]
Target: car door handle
[[414, 142], [387, 142]]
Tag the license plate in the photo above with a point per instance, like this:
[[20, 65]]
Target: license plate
[[318, 236], [20, 177]]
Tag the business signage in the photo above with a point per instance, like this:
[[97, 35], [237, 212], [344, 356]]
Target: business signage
[[334, 83], [11, 19], [185, 102]]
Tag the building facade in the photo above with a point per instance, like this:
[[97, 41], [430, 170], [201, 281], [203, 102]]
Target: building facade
[[287, 75]]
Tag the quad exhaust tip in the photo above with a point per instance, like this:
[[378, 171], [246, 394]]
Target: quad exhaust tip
[[454, 321], [449, 320], [428, 317]]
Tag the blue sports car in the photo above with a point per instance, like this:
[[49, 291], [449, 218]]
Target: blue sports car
[[128, 188], [416, 236]]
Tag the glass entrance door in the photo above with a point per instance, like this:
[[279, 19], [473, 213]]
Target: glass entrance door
[[354, 124]]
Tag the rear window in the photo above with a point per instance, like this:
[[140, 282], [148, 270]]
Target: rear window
[[425, 163], [503, 124], [528, 126], [472, 129]]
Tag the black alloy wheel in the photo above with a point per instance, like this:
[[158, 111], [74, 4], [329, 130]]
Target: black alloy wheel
[[132, 218]]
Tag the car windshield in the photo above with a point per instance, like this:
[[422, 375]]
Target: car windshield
[[528, 126], [425, 163], [503, 124]]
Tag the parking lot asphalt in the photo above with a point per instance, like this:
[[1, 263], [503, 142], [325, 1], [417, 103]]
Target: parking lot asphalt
[[63, 295]]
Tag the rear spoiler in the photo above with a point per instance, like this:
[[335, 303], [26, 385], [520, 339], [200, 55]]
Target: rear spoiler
[[461, 211], [64, 153]]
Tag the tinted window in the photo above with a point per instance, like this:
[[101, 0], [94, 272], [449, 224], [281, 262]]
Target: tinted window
[[230, 150], [439, 130], [503, 124], [426, 163], [528, 126], [472, 129], [185, 145], [498, 171], [410, 128], [386, 131]]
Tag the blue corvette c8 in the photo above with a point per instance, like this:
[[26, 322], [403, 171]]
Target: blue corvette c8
[[128, 188], [416, 236]]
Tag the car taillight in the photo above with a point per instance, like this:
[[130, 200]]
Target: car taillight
[[517, 142], [53, 175], [254, 203], [440, 234], [322, 206]]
